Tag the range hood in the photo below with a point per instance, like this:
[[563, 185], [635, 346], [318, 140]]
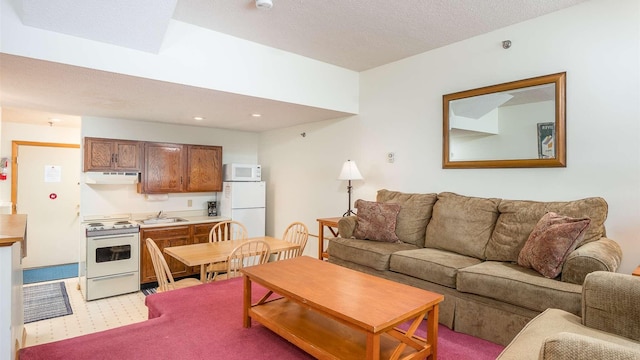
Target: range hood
[[110, 177]]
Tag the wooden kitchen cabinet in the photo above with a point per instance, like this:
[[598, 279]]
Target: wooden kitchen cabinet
[[204, 168], [164, 168], [112, 154], [175, 168], [171, 236], [164, 237]]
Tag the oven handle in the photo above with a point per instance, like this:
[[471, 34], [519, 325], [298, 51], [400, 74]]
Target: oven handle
[[104, 237], [112, 277]]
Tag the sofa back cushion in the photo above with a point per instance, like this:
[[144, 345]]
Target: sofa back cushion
[[518, 218], [462, 224], [415, 212]]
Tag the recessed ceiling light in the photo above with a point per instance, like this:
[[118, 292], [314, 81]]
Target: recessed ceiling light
[[198, 118], [256, 115]]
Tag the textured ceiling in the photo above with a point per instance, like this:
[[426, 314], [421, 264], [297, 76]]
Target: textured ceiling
[[361, 34], [354, 34]]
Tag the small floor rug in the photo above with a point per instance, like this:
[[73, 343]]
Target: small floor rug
[[49, 273], [149, 291], [45, 301]]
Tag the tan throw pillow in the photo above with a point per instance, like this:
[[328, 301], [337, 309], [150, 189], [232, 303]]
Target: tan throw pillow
[[376, 221], [551, 241]]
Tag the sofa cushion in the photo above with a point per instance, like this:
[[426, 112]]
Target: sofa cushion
[[519, 286], [374, 254], [414, 215], [518, 218], [462, 224], [376, 221], [550, 242], [433, 265]]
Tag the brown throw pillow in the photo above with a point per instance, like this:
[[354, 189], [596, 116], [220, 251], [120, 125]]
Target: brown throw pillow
[[376, 221], [550, 242]]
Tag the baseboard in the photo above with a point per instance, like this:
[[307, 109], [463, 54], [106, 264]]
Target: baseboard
[[48, 273]]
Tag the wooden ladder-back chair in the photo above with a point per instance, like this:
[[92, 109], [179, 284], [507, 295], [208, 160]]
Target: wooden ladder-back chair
[[296, 233], [163, 273], [224, 231], [250, 253]]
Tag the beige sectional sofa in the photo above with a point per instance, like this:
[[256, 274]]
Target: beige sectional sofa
[[467, 248]]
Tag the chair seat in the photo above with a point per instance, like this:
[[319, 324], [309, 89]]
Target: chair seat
[[180, 284], [217, 267]]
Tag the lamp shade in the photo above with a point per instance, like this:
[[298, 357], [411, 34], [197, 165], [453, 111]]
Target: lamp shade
[[350, 171]]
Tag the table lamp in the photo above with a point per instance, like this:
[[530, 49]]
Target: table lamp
[[349, 172]]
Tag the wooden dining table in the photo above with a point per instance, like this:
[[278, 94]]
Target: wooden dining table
[[203, 254]]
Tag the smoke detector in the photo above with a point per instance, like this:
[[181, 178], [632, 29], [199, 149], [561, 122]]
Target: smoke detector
[[264, 4]]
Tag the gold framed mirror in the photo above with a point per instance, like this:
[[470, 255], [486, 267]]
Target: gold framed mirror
[[512, 125]]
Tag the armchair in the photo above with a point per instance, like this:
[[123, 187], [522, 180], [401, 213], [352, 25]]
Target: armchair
[[609, 326]]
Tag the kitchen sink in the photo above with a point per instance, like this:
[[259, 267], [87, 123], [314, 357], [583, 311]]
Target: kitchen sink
[[164, 220]]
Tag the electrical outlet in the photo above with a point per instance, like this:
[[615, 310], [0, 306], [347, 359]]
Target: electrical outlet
[[189, 203], [391, 157]]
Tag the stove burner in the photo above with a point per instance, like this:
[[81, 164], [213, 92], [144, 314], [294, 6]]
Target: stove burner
[[124, 222], [95, 224]]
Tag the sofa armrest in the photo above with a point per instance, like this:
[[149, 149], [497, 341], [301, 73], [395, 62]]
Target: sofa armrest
[[610, 303], [570, 346], [600, 255], [346, 226]]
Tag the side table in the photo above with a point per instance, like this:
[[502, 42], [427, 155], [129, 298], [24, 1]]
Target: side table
[[636, 272], [332, 225]]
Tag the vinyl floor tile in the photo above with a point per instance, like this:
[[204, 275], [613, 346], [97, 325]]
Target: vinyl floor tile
[[88, 317]]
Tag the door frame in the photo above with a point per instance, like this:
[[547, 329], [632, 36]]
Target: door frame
[[14, 164]]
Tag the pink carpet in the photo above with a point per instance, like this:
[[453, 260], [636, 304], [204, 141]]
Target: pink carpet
[[205, 322]]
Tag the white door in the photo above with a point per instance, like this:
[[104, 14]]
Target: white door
[[48, 191]]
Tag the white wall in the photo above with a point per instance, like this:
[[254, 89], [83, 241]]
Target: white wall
[[225, 63], [401, 112], [237, 146]]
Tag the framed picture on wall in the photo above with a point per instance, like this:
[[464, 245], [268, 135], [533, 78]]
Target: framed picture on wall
[[546, 140]]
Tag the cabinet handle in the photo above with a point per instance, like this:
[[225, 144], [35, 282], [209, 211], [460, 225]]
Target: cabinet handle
[[116, 157], [112, 158]]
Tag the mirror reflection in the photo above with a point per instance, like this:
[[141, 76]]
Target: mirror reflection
[[517, 124]]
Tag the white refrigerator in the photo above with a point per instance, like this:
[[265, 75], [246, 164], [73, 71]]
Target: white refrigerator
[[244, 201]]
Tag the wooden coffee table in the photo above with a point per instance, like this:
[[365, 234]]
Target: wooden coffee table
[[333, 312]]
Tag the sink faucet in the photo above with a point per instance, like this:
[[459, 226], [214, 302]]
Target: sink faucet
[[160, 214]]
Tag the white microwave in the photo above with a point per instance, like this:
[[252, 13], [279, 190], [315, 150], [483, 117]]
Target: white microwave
[[242, 172]]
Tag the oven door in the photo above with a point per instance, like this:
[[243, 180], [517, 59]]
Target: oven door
[[112, 254]]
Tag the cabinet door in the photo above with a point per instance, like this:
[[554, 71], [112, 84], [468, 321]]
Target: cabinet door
[[204, 168], [111, 154], [98, 154], [164, 168], [164, 237], [127, 155]]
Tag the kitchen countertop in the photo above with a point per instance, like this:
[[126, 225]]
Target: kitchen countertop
[[193, 219], [13, 228]]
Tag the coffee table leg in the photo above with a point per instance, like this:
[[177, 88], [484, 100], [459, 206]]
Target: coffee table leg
[[246, 302], [432, 331], [373, 347]]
